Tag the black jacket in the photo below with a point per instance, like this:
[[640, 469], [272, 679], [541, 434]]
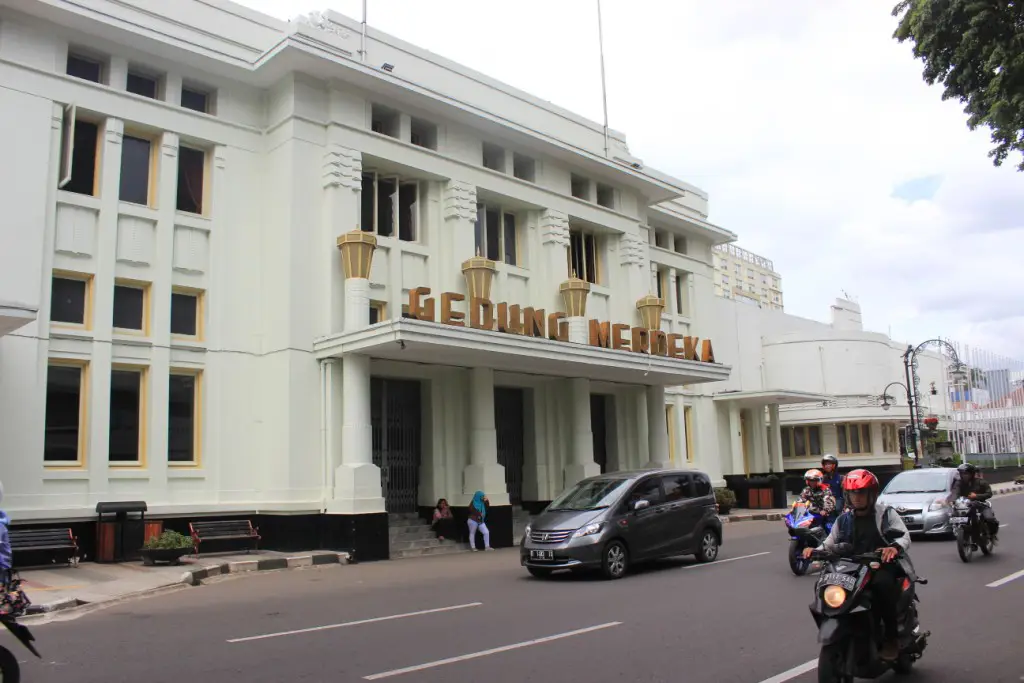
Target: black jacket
[[979, 487]]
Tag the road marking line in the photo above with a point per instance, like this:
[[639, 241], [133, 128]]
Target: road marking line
[[793, 673], [1006, 579], [356, 623], [1002, 525], [731, 559], [492, 651]]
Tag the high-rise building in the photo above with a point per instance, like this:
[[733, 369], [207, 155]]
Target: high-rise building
[[746, 277]]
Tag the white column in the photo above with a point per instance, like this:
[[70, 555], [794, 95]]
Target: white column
[[657, 428], [582, 464], [775, 437], [357, 303], [342, 182], [735, 442], [578, 330], [483, 472], [357, 488]]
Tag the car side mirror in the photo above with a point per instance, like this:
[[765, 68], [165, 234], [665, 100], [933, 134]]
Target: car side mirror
[[640, 505]]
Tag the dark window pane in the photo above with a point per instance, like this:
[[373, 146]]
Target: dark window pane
[[141, 85], [787, 434], [576, 255], [510, 239], [649, 490], [385, 206], [478, 229], [67, 301], [407, 207], [184, 314], [191, 163], [125, 422], [135, 160], [701, 486], [63, 413], [181, 419], [799, 442], [841, 435], [815, 435], [855, 439], [676, 486], [194, 100], [83, 159], [493, 235], [374, 315], [86, 69], [590, 251], [366, 210], [129, 307]]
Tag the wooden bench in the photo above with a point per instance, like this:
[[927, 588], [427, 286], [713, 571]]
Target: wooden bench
[[58, 544], [225, 530]]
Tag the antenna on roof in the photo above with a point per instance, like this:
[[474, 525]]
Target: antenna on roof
[[604, 92]]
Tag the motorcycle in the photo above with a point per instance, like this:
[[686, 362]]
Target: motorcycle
[[849, 632], [806, 529], [13, 603], [970, 530]]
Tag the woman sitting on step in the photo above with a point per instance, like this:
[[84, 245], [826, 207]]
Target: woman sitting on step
[[443, 523]]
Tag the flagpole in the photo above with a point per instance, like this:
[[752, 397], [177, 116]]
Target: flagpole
[[362, 46], [604, 92]]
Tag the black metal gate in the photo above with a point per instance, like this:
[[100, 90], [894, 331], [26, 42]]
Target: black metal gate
[[395, 423], [599, 430], [508, 423]]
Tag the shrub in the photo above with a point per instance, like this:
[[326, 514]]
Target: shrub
[[169, 540]]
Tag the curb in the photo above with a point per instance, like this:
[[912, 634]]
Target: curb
[[195, 577], [1016, 488], [755, 517]]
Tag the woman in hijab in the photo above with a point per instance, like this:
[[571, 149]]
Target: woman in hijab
[[443, 523], [477, 520]]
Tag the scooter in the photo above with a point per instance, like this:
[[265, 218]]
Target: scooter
[[13, 603], [849, 632], [806, 529]]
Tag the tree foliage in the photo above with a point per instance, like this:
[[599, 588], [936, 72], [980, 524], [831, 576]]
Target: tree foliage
[[975, 48]]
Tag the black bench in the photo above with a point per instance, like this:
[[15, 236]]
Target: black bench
[[226, 530], [57, 544]]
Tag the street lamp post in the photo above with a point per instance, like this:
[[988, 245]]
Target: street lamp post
[[910, 367], [886, 405]]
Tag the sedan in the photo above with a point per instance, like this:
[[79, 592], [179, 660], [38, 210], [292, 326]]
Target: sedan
[[921, 497]]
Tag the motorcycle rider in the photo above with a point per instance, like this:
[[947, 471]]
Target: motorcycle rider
[[869, 528], [969, 485], [831, 476], [5, 544], [818, 495]]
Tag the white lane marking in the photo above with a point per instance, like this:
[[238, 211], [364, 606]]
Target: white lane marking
[[1002, 525], [356, 623], [793, 673], [492, 651], [731, 559], [1006, 579]]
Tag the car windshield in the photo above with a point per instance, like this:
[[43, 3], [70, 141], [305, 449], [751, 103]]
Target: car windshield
[[918, 482], [589, 495]]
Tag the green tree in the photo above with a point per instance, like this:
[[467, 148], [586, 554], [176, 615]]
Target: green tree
[[975, 48]]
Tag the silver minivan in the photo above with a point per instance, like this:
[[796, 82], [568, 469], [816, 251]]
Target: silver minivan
[[610, 521]]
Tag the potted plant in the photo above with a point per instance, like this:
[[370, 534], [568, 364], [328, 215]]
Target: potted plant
[[167, 547], [726, 500]]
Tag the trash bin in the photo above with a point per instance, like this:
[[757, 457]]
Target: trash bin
[[119, 539]]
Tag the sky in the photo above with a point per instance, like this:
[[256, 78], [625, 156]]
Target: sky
[[809, 126]]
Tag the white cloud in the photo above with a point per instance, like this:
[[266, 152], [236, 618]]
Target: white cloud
[[799, 118]]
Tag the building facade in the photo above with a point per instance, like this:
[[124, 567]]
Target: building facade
[[746, 277]]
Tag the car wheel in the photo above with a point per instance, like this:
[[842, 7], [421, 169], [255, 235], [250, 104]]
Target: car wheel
[[539, 572], [708, 551], [615, 561]]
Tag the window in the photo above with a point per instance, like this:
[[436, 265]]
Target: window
[[494, 157], [583, 257], [78, 152], [688, 423], [677, 487], [127, 416], [64, 439], [670, 424], [191, 173], [195, 99], [660, 239], [750, 272], [801, 442], [390, 205], [649, 490], [141, 84], [524, 168], [606, 196], [183, 418], [384, 120], [681, 246], [580, 187], [424, 134], [86, 68], [496, 235], [701, 486], [377, 309], [136, 161], [130, 309], [186, 313], [725, 279], [683, 293], [70, 299], [854, 438], [890, 439], [659, 282]]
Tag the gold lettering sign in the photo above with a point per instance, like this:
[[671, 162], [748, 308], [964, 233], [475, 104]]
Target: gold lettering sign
[[535, 322]]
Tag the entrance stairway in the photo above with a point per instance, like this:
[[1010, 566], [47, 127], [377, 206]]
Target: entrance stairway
[[411, 536]]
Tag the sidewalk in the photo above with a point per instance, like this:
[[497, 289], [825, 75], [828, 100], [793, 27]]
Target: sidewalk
[[58, 588]]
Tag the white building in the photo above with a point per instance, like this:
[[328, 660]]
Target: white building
[[191, 177], [746, 277]]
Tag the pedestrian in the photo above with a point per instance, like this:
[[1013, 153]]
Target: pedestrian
[[443, 523], [477, 520]]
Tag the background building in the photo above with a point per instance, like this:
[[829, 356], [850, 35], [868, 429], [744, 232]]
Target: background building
[[746, 277]]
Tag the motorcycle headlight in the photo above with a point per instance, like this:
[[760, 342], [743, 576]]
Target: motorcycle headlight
[[588, 530], [834, 596]]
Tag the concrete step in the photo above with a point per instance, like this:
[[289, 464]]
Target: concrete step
[[409, 530], [405, 522], [419, 543], [447, 548]]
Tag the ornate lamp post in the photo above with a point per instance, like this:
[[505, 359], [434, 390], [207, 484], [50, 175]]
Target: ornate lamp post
[[957, 374]]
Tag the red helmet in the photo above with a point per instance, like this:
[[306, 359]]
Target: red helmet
[[860, 480]]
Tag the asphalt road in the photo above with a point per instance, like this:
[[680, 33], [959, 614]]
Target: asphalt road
[[480, 617]]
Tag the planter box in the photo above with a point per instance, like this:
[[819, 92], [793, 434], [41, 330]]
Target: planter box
[[151, 556]]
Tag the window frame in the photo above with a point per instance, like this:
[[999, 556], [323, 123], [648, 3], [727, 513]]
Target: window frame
[[141, 462], [670, 423], [87, 314], [86, 56], [863, 428], [382, 308], [396, 222], [204, 203], [67, 151], [208, 93], [200, 296], [198, 375], [788, 434], [146, 288], [688, 425], [151, 168], [83, 414], [480, 229], [892, 439], [586, 236], [143, 73]]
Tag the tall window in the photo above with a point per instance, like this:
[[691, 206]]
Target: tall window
[[584, 262], [670, 423], [136, 161], [890, 439], [688, 422], [683, 292], [854, 438], [191, 180], [79, 145], [184, 410], [127, 416], [496, 235], [390, 206], [64, 439], [801, 441]]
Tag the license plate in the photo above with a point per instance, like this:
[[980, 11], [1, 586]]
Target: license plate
[[542, 554], [958, 520], [844, 580]]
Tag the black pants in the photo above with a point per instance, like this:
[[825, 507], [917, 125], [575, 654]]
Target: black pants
[[885, 594], [989, 517]]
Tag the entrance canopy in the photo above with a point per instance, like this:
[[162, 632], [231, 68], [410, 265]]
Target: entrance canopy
[[13, 316], [418, 341], [756, 399]]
